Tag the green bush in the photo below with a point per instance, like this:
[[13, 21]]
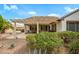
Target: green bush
[[55, 40], [72, 41], [44, 40], [74, 47], [68, 36], [31, 41]]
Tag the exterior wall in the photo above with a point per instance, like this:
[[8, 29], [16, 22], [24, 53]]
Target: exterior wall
[[19, 25], [73, 17], [61, 26], [27, 27]]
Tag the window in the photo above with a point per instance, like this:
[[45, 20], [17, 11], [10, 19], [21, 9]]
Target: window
[[77, 27], [73, 26]]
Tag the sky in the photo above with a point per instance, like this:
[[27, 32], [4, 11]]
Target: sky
[[21, 11]]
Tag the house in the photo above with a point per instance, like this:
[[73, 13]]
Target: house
[[69, 22], [39, 23]]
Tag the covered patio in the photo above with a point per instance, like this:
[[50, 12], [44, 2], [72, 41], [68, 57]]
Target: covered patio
[[38, 24]]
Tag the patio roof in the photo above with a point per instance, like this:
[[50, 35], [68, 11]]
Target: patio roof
[[39, 19]]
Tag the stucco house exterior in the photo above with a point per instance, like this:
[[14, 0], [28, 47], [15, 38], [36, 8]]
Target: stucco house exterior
[[69, 22]]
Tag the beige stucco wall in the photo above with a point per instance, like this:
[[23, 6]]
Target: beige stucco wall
[[62, 25], [58, 26], [27, 27], [73, 17]]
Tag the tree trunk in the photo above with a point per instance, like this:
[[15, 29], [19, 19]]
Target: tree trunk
[[45, 51], [29, 51], [40, 51], [35, 51]]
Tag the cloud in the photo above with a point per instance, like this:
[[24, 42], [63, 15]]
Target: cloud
[[32, 13], [25, 13], [53, 14], [68, 9], [11, 7], [6, 7], [21, 12]]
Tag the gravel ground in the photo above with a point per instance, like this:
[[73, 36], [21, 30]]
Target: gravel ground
[[9, 45]]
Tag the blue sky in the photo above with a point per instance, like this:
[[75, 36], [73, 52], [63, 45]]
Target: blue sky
[[12, 11]]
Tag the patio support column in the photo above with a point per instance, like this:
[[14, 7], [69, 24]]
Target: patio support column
[[50, 27], [24, 28], [37, 27], [15, 30]]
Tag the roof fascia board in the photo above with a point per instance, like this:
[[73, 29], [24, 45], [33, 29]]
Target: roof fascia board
[[62, 18]]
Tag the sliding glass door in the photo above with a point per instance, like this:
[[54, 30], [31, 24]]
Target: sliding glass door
[[77, 27], [73, 26]]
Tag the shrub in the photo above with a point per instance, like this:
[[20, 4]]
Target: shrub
[[45, 40], [68, 36], [74, 46], [31, 41], [54, 41]]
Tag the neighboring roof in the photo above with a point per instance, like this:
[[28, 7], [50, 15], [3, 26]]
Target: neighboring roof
[[18, 20], [39, 19], [69, 14]]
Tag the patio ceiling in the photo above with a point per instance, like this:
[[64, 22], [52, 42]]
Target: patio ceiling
[[39, 19]]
